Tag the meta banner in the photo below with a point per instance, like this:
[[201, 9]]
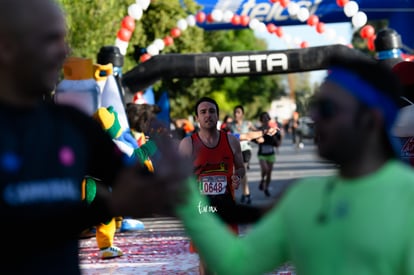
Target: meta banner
[[398, 13], [242, 64], [228, 64]]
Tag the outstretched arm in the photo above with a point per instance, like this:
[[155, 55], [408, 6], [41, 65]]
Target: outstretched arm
[[252, 135], [225, 253]]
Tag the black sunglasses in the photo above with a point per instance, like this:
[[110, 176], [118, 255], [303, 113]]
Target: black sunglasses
[[325, 108]]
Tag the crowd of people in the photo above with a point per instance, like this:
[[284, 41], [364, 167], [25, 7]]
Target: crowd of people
[[357, 221]]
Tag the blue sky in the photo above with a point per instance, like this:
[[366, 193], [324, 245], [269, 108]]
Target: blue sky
[[304, 32]]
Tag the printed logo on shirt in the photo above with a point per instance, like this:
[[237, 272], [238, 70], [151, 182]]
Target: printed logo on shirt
[[206, 208], [407, 151], [42, 191]]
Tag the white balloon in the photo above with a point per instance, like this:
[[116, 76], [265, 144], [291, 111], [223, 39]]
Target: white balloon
[[261, 27], [191, 20], [227, 16], [122, 46], [303, 14], [217, 15], [254, 24], [135, 11], [144, 3], [359, 19], [351, 8], [120, 43], [182, 24], [159, 43], [152, 50], [293, 8]]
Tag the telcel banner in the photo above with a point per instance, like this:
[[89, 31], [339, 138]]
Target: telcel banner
[[400, 13]]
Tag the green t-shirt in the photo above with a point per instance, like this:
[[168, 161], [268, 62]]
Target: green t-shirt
[[368, 228]]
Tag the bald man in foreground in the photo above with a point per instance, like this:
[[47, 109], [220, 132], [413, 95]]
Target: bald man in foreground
[[47, 149]]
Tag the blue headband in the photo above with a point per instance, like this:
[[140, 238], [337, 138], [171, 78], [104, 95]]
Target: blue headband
[[366, 93]]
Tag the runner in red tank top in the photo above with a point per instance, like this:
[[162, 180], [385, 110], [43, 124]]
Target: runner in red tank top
[[217, 161]]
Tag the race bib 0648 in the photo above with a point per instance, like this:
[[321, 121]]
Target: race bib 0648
[[213, 185]]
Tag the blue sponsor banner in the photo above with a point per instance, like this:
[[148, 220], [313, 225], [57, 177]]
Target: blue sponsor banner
[[400, 13]]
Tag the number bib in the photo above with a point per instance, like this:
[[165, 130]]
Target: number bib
[[213, 185]]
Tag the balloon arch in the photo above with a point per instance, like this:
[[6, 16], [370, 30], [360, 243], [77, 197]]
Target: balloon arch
[[272, 15]]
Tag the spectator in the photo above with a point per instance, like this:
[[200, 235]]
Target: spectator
[[357, 221], [46, 150]]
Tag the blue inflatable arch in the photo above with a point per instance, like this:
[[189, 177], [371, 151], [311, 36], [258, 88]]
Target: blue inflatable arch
[[399, 13]]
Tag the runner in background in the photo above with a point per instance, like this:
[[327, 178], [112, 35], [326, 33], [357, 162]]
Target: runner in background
[[241, 126], [266, 153]]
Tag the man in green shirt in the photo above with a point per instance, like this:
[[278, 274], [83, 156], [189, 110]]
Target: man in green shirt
[[359, 221]]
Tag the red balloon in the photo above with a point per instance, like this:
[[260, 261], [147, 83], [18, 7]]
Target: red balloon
[[370, 43], [279, 31], [407, 57], [236, 20], [145, 57], [271, 28], [244, 20], [341, 3], [304, 44], [367, 31], [175, 32], [200, 17], [284, 3], [168, 40], [320, 27], [313, 20], [210, 18], [128, 23], [124, 34], [274, 1]]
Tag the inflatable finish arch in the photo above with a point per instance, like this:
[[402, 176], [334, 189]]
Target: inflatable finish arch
[[222, 64], [400, 13]]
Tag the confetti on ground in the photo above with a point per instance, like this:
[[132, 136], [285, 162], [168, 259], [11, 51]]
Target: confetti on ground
[[161, 249]]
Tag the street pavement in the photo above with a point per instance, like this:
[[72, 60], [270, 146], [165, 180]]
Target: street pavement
[[163, 246]]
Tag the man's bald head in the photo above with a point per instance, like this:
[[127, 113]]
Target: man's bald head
[[16, 16], [32, 46]]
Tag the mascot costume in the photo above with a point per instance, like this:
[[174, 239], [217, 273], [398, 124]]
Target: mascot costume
[[98, 95]]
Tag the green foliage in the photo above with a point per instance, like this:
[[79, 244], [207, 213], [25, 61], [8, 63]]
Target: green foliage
[[95, 23], [359, 43]]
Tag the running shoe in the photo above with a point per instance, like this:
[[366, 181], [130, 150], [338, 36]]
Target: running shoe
[[110, 252], [131, 225]]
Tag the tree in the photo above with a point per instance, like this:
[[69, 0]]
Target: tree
[[361, 44], [95, 23]]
